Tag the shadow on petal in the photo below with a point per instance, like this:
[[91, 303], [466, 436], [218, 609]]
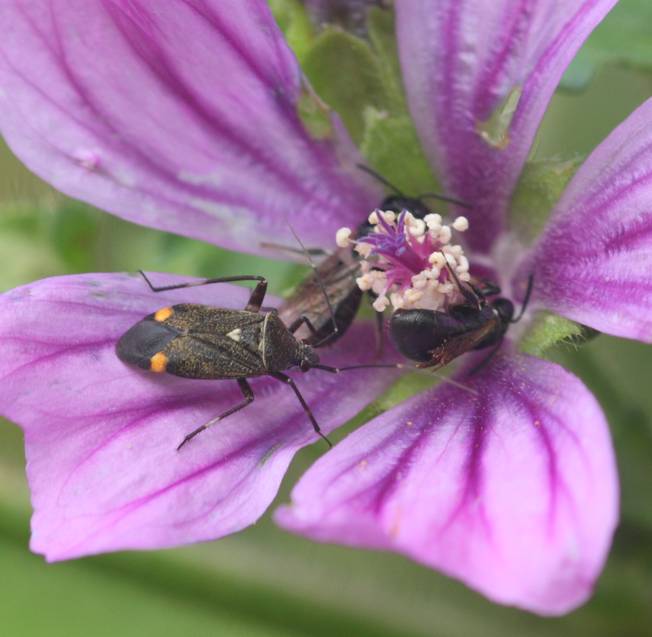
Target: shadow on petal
[[514, 491]]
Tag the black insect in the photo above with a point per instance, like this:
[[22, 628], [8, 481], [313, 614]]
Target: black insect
[[205, 342], [435, 338], [329, 298]]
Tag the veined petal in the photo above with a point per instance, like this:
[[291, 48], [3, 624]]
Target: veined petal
[[513, 490], [593, 264], [466, 61], [180, 115], [101, 436]]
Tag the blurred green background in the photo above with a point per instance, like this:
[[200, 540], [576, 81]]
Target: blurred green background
[[262, 581]]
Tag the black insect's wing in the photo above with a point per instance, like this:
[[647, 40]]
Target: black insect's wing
[[459, 344]]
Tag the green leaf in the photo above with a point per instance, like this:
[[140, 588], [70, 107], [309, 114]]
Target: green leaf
[[347, 75], [539, 188], [392, 148], [293, 20], [623, 38], [549, 330]]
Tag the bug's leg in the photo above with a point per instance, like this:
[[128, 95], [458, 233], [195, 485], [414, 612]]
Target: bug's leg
[[286, 379], [380, 334], [337, 370], [248, 394], [193, 284], [302, 320], [472, 295], [257, 296]]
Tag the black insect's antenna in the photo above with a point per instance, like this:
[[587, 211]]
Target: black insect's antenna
[[475, 296], [526, 299], [380, 178], [425, 195], [436, 195], [320, 283], [337, 370]]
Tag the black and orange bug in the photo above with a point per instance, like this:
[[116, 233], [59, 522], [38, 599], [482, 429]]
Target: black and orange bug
[[330, 298], [434, 338], [205, 342]]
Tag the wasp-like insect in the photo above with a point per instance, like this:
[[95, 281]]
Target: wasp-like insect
[[205, 342], [434, 338], [329, 298]]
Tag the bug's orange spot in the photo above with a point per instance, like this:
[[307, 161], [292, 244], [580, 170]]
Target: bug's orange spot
[[163, 314], [158, 362]]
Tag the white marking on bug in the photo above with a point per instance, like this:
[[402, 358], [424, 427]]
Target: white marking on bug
[[235, 334]]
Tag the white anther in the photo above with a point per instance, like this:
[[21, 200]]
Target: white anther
[[342, 237], [364, 249], [417, 228], [397, 300], [419, 281], [412, 296], [445, 234], [380, 304], [433, 221], [446, 288], [373, 218], [450, 259], [389, 216], [364, 282], [456, 250], [437, 259], [462, 264], [461, 224]]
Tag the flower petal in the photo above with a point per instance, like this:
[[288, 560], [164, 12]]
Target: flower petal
[[594, 262], [101, 437], [462, 61], [513, 490], [180, 115]]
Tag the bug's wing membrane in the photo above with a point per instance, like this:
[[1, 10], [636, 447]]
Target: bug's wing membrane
[[460, 344]]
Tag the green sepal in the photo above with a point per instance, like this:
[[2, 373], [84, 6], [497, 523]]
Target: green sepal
[[348, 76], [550, 330], [539, 188], [293, 20], [392, 148]]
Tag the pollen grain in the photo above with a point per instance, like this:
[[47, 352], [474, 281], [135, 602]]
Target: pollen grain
[[158, 362], [163, 314]]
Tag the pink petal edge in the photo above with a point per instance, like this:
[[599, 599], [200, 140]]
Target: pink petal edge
[[180, 115], [593, 264], [460, 61], [101, 437], [513, 490]]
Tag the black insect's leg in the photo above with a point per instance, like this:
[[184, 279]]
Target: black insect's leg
[[526, 299], [337, 370], [257, 296], [473, 296], [286, 379], [302, 320], [193, 284], [380, 335], [248, 394]]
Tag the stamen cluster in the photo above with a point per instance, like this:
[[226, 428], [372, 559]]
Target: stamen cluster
[[407, 262]]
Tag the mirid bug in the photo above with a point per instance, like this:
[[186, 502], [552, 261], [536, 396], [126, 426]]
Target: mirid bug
[[329, 298], [434, 338], [205, 342]]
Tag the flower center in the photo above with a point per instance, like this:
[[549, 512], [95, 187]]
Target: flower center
[[407, 262]]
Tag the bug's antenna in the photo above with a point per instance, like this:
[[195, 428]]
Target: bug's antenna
[[320, 283], [475, 296], [453, 200], [526, 299], [380, 178]]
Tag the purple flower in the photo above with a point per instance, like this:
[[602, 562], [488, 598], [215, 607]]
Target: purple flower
[[184, 118]]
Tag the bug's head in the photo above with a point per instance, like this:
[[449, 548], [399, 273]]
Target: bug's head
[[505, 309], [308, 358]]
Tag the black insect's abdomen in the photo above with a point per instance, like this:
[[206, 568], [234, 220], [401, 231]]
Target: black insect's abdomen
[[144, 340], [416, 333]]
